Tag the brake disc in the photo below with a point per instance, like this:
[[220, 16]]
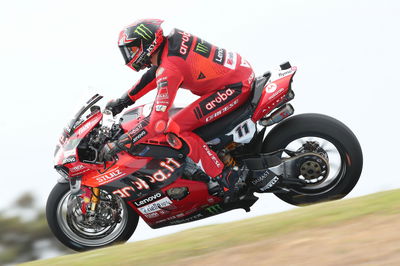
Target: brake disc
[[312, 168]]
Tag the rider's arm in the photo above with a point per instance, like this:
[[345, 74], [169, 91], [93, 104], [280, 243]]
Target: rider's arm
[[168, 82], [144, 85]]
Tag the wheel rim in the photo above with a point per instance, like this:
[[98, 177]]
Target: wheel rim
[[336, 162], [86, 236]]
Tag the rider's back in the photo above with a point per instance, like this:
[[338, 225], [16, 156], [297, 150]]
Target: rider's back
[[204, 67]]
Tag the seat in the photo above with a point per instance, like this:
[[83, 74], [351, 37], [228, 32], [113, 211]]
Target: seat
[[226, 123]]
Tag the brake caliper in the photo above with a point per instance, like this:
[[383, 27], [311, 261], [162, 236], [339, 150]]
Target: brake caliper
[[86, 198]]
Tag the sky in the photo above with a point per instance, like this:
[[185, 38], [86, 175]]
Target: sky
[[55, 54]]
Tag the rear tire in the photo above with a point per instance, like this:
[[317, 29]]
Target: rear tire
[[78, 242], [334, 132]]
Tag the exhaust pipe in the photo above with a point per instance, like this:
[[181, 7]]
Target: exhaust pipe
[[278, 115]]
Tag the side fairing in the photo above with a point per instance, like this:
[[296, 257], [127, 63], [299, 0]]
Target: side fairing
[[130, 183]]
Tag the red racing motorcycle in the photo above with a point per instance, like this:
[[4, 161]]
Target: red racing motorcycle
[[304, 159]]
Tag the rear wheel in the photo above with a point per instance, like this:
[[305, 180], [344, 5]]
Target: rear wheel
[[330, 139], [112, 222]]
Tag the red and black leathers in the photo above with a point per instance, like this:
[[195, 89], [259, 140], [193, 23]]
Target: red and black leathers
[[221, 78]]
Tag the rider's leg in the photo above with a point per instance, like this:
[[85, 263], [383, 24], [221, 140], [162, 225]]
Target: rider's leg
[[205, 110]]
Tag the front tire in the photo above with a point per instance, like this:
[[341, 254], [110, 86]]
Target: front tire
[[306, 127], [69, 234]]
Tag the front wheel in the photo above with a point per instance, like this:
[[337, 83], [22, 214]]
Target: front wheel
[[327, 137], [112, 222]]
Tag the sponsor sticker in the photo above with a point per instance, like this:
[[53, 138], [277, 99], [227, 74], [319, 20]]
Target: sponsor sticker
[[110, 176], [84, 127], [270, 183], [215, 209], [70, 159], [217, 100], [152, 215], [124, 192], [168, 167], [224, 110], [230, 60], [148, 200], [202, 48], [219, 56], [211, 155], [155, 206], [77, 168], [189, 219], [144, 32], [260, 178], [139, 136], [180, 43], [285, 73], [161, 108], [271, 87], [275, 94]]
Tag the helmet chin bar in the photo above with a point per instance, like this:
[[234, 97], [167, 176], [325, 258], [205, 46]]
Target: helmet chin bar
[[138, 67]]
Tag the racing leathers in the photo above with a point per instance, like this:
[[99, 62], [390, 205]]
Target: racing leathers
[[221, 78]]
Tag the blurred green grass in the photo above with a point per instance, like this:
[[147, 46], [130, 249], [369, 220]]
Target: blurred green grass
[[202, 240]]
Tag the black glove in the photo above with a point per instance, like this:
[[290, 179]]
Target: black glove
[[108, 151], [116, 106]]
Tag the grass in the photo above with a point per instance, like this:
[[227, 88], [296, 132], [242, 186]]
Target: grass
[[202, 240]]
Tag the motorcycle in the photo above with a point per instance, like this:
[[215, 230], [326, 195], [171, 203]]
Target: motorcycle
[[304, 159]]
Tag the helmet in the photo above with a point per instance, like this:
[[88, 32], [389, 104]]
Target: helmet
[[139, 41]]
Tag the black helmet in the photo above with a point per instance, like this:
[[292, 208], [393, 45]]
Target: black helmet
[[139, 41]]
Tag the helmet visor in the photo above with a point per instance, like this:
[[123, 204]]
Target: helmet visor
[[129, 53]]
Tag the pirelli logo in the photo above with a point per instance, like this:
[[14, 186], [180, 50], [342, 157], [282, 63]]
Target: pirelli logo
[[202, 48]]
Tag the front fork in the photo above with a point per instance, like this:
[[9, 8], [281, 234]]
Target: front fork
[[95, 199], [89, 196]]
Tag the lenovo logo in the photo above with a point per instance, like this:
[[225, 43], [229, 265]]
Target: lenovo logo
[[148, 200]]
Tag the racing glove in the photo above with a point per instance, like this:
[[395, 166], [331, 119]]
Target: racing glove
[[108, 151], [116, 106]]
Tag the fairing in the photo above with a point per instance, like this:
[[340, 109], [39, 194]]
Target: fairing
[[274, 92], [67, 153], [145, 177]]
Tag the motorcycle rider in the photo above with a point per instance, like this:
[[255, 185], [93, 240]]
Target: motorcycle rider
[[221, 78]]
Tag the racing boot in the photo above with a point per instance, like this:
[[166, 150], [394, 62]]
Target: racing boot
[[232, 183]]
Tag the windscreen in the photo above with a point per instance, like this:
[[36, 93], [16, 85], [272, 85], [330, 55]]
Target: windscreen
[[76, 120]]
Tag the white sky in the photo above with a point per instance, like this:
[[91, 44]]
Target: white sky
[[51, 52]]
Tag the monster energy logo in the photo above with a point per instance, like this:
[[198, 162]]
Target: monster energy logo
[[215, 209], [143, 31], [201, 48]]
